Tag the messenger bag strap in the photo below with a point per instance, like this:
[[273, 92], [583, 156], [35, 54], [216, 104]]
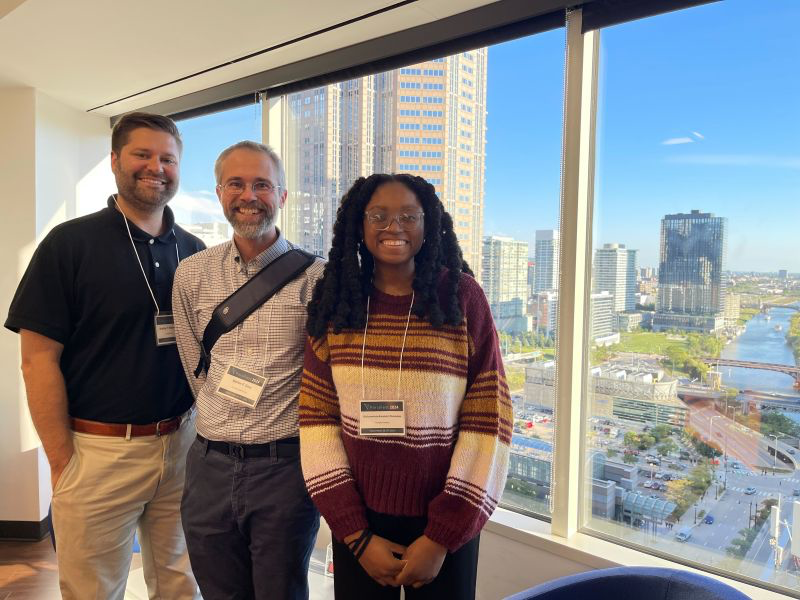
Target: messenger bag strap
[[244, 301]]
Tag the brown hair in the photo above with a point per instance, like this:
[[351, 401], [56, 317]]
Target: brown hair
[[136, 120]]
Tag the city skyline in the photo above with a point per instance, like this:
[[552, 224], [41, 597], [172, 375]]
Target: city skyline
[[716, 145]]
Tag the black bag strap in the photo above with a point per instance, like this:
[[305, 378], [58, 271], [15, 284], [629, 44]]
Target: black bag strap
[[244, 301]]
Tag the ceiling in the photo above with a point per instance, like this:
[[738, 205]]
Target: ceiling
[[92, 53]]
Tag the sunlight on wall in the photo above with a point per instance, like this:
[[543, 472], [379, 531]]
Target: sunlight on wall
[[94, 188]]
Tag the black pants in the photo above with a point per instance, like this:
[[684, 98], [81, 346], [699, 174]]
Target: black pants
[[250, 525], [456, 579]]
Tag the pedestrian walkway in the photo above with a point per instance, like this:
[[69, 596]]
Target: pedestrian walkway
[[761, 493]]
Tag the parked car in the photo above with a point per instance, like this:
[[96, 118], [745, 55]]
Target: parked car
[[709, 520], [648, 484], [750, 490], [796, 492], [666, 477], [684, 534]]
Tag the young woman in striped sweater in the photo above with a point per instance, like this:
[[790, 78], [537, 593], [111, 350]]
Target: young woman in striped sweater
[[405, 417]]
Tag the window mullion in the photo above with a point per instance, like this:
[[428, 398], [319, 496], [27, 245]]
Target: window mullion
[[577, 187]]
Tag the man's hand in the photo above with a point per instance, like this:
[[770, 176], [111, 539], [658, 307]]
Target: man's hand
[[47, 398], [424, 559], [378, 561], [57, 466]]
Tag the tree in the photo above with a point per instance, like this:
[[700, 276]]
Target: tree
[[646, 441], [680, 492], [700, 478], [611, 453], [661, 431], [667, 447], [631, 440], [629, 459]]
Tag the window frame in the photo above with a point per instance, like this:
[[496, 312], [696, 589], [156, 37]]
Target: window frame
[[570, 511]]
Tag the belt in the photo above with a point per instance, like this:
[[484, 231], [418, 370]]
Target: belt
[[160, 428], [285, 448]]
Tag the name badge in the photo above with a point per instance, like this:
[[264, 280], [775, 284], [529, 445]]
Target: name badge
[[241, 386], [378, 417], [165, 329]]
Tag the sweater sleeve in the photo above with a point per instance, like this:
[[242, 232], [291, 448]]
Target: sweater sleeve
[[479, 463], [326, 468]]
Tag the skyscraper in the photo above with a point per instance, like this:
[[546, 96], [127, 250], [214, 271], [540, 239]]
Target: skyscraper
[[505, 275], [427, 119], [615, 272], [330, 142], [546, 260], [691, 279]]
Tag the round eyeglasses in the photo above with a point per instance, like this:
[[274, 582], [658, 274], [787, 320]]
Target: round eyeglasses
[[260, 188], [380, 220]]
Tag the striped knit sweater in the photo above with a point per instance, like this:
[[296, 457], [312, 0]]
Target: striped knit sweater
[[451, 464]]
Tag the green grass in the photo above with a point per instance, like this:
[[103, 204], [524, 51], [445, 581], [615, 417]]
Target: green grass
[[646, 342], [745, 314]]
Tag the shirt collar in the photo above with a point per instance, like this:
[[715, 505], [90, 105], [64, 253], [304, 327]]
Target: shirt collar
[[139, 235], [280, 246]]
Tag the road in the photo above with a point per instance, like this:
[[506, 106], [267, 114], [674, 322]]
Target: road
[[736, 440]]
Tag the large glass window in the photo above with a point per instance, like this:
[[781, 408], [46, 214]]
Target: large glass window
[[196, 205], [692, 399], [484, 127]]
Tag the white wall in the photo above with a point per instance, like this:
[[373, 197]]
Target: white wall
[[48, 153]]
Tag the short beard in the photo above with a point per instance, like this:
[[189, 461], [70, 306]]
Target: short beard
[[145, 203], [251, 231]]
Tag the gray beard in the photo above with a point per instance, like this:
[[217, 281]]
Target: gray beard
[[253, 231]]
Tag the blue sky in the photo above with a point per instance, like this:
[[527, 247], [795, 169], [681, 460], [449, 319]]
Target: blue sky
[[698, 109]]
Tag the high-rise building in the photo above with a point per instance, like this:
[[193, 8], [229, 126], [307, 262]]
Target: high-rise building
[[212, 233], [615, 272], [546, 256], [601, 332], [427, 119], [505, 275], [691, 273], [783, 274], [544, 308], [531, 276], [733, 306]]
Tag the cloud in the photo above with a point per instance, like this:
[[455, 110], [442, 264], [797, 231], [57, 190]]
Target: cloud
[[698, 135], [738, 160], [196, 207], [680, 140]]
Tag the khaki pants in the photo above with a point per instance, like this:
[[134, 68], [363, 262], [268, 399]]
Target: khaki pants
[[110, 487]]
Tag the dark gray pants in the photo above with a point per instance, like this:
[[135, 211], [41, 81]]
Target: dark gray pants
[[250, 525]]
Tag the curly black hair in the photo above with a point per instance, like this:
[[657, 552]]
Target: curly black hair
[[340, 296]]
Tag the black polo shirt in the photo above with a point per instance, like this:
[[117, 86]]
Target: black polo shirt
[[84, 288]]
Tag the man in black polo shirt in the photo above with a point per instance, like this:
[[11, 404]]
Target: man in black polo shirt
[[104, 382]]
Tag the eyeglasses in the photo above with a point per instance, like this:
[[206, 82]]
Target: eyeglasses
[[380, 220], [260, 188]]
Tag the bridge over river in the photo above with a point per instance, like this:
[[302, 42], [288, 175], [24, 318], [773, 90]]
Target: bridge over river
[[791, 370]]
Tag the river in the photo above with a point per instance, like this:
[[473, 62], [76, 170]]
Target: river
[[761, 343]]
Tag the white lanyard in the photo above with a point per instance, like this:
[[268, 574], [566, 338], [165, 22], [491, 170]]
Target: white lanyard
[[139, 260], [402, 350]]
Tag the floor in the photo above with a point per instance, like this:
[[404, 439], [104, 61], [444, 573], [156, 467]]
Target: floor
[[28, 572]]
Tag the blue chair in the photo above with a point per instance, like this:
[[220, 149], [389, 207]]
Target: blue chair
[[632, 582]]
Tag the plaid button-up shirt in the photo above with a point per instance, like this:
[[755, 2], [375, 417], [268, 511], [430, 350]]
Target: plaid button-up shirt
[[269, 342]]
